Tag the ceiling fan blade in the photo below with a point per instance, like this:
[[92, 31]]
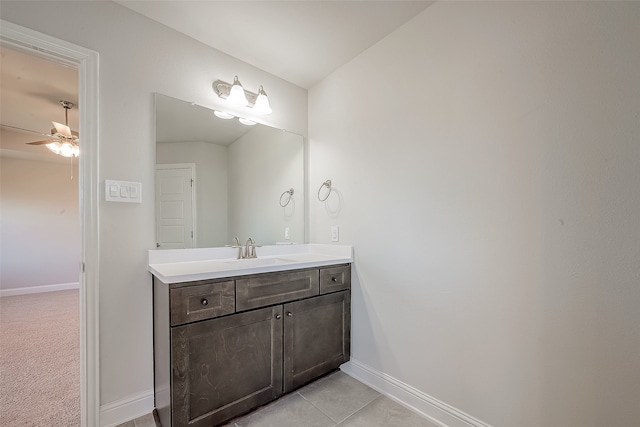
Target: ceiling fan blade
[[23, 129], [63, 129], [48, 141]]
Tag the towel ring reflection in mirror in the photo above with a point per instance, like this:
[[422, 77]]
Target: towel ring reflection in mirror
[[288, 199], [327, 184]]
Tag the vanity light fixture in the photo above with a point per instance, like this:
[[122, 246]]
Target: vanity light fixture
[[223, 115], [261, 105], [237, 95], [246, 122]]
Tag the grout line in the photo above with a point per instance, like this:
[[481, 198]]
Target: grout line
[[364, 406], [320, 410]]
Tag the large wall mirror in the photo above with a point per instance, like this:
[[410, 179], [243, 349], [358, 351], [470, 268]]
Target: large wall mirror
[[217, 179]]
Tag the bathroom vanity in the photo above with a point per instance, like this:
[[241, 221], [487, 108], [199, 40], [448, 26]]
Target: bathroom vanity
[[232, 335]]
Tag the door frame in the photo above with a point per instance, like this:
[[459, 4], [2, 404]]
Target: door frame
[[86, 61]]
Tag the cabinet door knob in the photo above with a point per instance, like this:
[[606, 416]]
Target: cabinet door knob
[[334, 280], [289, 314], [278, 316], [204, 301]]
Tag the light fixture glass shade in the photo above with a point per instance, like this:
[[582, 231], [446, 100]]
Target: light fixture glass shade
[[237, 95], [246, 122], [65, 149], [223, 115], [261, 105], [54, 147]]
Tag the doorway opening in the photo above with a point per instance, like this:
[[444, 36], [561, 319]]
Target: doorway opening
[[86, 63]]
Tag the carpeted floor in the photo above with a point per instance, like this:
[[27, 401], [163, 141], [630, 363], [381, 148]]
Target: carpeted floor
[[40, 360]]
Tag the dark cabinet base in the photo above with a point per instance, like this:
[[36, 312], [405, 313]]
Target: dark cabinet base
[[210, 371]]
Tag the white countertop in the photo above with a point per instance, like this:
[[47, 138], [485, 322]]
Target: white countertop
[[186, 265]]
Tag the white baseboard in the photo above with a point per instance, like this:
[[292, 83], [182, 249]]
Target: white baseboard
[[425, 405], [38, 289], [126, 409]]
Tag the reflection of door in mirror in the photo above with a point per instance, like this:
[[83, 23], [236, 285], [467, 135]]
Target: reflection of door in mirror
[[175, 206]]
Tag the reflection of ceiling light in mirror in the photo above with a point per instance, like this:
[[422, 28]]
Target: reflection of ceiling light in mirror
[[261, 105], [236, 95], [223, 115], [246, 121]]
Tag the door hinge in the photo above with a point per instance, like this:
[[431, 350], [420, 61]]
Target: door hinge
[[192, 234], [82, 267], [192, 182]]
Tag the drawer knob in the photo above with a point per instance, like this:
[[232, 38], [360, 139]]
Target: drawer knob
[[204, 301], [334, 280], [289, 314], [278, 316]]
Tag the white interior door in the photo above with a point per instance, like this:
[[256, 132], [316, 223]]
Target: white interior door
[[175, 206]]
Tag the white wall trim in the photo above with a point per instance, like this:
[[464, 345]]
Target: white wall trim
[[127, 409], [38, 289], [86, 61], [419, 402]]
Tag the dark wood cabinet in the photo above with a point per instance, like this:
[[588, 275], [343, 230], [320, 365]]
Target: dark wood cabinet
[[316, 337], [225, 347], [225, 367]]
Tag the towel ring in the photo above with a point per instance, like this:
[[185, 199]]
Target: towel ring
[[327, 184], [290, 193]]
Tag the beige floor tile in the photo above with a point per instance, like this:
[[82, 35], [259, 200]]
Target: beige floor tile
[[290, 411], [338, 395], [384, 412], [146, 421]]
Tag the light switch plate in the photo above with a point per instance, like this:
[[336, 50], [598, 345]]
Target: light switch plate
[[122, 191], [335, 233]]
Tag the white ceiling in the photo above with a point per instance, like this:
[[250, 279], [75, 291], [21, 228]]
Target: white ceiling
[[299, 41], [30, 90]]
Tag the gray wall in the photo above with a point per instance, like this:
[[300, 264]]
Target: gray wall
[[138, 58], [40, 228], [263, 164], [488, 158]]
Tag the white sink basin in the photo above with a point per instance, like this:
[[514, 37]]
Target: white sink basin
[[187, 265], [257, 262]]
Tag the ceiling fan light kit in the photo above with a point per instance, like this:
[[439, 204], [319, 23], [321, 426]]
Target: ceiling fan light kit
[[65, 142]]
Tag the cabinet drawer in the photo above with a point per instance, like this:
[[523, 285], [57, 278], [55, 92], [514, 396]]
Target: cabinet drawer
[[199, 302], [268, 289], [335, 279]]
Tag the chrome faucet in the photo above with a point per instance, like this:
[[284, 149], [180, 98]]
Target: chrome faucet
[[237, 244], [250, 250]]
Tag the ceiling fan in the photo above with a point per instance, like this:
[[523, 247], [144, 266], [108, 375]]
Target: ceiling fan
[[65, 142]]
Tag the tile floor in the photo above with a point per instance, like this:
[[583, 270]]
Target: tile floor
[[336, 400]]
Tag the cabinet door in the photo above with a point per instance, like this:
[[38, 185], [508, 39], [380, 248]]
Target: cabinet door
[[225, 367], [316, 337]]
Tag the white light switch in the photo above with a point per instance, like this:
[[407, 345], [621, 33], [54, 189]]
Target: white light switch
[[122, 191]]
